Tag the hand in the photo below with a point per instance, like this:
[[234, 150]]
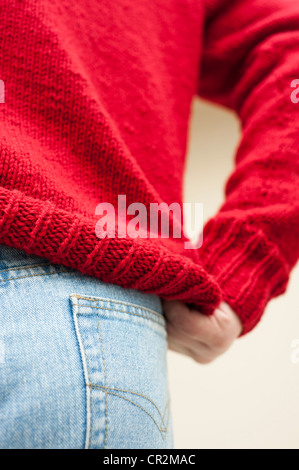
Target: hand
[[199, 336]]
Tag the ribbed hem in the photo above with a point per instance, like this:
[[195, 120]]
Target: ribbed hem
[[245, 264], [41, 228]]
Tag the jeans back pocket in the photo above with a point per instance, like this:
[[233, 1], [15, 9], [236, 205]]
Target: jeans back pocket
[[123, 350]]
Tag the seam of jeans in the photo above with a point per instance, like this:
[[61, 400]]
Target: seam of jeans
[[130, 401], [32, 275], [129, 304], [104, 364], [140, 395], [86, 376], [120, 311], [163, 427], [24, 267]]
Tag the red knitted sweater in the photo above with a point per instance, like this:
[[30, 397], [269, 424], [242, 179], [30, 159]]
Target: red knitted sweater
[[97, 104]]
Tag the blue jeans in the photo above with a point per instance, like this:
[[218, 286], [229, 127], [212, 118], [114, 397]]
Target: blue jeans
[[82, 363]]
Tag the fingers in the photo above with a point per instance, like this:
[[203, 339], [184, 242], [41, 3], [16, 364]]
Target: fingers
[[177, 347], [200, 336], [179, 342], [197, 326], [202, 358]]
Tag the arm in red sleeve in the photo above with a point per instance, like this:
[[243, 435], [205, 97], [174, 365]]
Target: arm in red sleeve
[[250, 58]]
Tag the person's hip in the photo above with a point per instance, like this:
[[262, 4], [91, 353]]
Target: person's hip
[[82, 363]]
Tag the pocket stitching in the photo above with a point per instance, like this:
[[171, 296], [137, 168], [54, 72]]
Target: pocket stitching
[[129, 304], [163, 427], [104, 364], [107, 390], [86, 377]]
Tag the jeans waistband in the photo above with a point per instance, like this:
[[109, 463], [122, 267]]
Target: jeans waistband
[[11, 257]]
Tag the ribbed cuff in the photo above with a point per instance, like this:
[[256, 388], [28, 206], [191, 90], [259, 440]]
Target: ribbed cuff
[[245, 264], [41, 228]]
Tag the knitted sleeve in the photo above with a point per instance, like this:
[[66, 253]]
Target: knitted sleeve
[[251, 64]]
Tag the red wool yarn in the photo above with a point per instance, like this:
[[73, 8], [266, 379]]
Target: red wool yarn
[[97, 104]]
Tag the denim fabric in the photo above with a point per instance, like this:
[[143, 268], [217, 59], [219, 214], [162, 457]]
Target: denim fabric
[[82, 363]]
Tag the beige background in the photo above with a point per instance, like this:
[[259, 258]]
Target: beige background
[[249, 397]]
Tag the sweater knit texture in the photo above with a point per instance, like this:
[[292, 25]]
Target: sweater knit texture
[[97, 104]]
